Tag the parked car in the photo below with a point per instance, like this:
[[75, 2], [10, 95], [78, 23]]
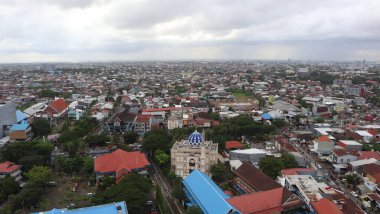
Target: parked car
[[90, 194], [354, 194]]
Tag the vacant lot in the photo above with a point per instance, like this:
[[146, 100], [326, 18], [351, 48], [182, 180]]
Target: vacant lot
[[61, 195], [243, 96]]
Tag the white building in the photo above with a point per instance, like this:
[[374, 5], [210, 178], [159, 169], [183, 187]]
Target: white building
[[193, 153], [253, 155]]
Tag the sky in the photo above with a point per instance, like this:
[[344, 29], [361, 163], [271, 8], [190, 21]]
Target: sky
[[92, 30]]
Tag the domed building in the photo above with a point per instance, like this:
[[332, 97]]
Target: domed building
[[193, 153]]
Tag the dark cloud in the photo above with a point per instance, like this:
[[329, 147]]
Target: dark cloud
[[150, 29]]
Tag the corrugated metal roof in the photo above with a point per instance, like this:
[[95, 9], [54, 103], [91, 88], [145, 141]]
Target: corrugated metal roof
[[19, 127], [210, 198]]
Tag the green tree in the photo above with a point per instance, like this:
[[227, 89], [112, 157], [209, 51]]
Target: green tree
[[39, 174], [288, 161], [30, 195], [194, 210], [88, 165], [130, 137], [279, 123], [156, 139], [319, 120], [352, 179], [161, 157], [71, 147], [271, 166], [97, 140], [8, 186], [41, 127], [134, 189], [221, 172]]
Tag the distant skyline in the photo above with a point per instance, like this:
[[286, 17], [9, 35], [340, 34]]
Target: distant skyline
[[93, 30]]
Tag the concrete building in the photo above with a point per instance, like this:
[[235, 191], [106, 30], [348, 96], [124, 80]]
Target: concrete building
[[193, 153], [323, 145], [253, 155], [350, 145], [11, 169], [7, 116], [306, 187]]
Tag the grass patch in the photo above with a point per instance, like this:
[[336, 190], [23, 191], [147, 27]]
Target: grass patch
[[242, 95]]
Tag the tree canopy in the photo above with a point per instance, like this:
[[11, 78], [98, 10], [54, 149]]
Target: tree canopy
[[134, 189], [39, 174], [41, 127], [156, 139], [27, 154]]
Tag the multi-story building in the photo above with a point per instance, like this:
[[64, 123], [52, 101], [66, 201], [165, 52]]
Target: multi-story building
[[193, 153], [11, 169], [7, 117]]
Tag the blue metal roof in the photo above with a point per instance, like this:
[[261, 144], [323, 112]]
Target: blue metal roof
[[19, 127], [100, 209], [20, 116], [202, 191], [266, 116]]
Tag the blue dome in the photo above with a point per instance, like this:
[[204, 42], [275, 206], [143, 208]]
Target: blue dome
[[195, 138]]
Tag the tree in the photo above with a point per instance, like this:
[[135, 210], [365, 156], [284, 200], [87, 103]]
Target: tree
[[88, 164], [131, 137], [71, 165], [194, 210], [30, 195], [27, 153], [97, 140], [133, 188], [161, 157], [279, 123], [39, 174], [271, 166], [288, 161], [156, 139], [71, 147], [8, 186], [352, 179], [41, 127], [319, 120], [220, 172]]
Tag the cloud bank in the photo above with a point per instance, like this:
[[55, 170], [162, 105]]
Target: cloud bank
[[78, 30]]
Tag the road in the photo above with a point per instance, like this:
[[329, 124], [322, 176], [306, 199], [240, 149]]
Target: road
[[166, 190], [326, 172]]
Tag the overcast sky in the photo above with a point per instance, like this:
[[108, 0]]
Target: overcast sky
[[79, 30]]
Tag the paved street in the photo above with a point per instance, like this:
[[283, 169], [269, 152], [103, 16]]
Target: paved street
[[166, 190], [327, 172]]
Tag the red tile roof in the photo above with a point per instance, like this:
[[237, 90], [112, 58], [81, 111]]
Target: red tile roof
[[372, 132], [324, 138], [294, 171], [260, 202], [368, 154], [143, 118], [340, 152], [59, 105], [325, 206], [234, 145], [9, 167], [120, 160]]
